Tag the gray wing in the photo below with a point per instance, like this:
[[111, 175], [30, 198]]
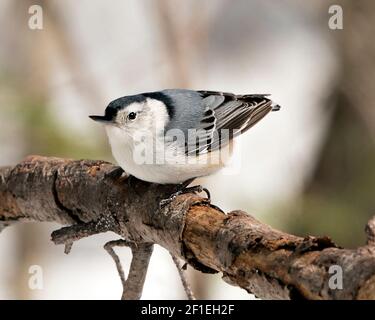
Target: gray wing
[[226, 116], [189, 116], [214, 118]]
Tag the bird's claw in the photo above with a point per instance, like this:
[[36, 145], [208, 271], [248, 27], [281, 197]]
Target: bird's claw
[[115, 173], [195, 189]]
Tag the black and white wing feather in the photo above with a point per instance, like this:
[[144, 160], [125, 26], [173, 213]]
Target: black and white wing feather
[[226, 116]]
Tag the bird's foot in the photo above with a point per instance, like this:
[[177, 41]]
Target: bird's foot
[[194, 189], [115, 173], [118, 172], [131, 180]]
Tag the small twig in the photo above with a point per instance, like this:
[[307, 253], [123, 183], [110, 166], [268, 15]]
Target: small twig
[[68, 235], [133, 285], [109, 248], [185, 283], [75, 232], [68, 247]]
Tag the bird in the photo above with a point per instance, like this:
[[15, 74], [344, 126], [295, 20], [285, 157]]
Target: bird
[[176, 135]]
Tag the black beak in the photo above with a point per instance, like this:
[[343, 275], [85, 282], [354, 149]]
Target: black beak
[[102, 119]]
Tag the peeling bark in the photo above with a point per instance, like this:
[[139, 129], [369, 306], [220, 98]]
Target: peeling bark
[[90, 197]]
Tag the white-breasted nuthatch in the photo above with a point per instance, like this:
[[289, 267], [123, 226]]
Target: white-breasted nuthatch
[[174, 135]]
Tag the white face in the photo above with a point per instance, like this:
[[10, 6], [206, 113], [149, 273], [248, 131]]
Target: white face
[[148, 115], [130, 124]]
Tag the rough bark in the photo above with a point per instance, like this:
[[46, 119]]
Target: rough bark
[[92, 197]]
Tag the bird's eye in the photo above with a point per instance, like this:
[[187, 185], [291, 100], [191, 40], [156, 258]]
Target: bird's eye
[[132, 115]]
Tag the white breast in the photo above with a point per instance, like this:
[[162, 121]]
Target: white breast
[[172, 167]]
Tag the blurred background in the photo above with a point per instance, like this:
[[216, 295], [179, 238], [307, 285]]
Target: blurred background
[[308, 169]]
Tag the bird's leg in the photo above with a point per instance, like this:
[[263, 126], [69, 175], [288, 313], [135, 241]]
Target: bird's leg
[[196, 189], [129, 180], [184, 189], [117, 172]]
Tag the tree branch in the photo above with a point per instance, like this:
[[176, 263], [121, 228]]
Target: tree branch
[[133, 286], [181, 271], [92, 197]]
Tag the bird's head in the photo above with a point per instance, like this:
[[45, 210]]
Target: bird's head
[[131, 114]]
